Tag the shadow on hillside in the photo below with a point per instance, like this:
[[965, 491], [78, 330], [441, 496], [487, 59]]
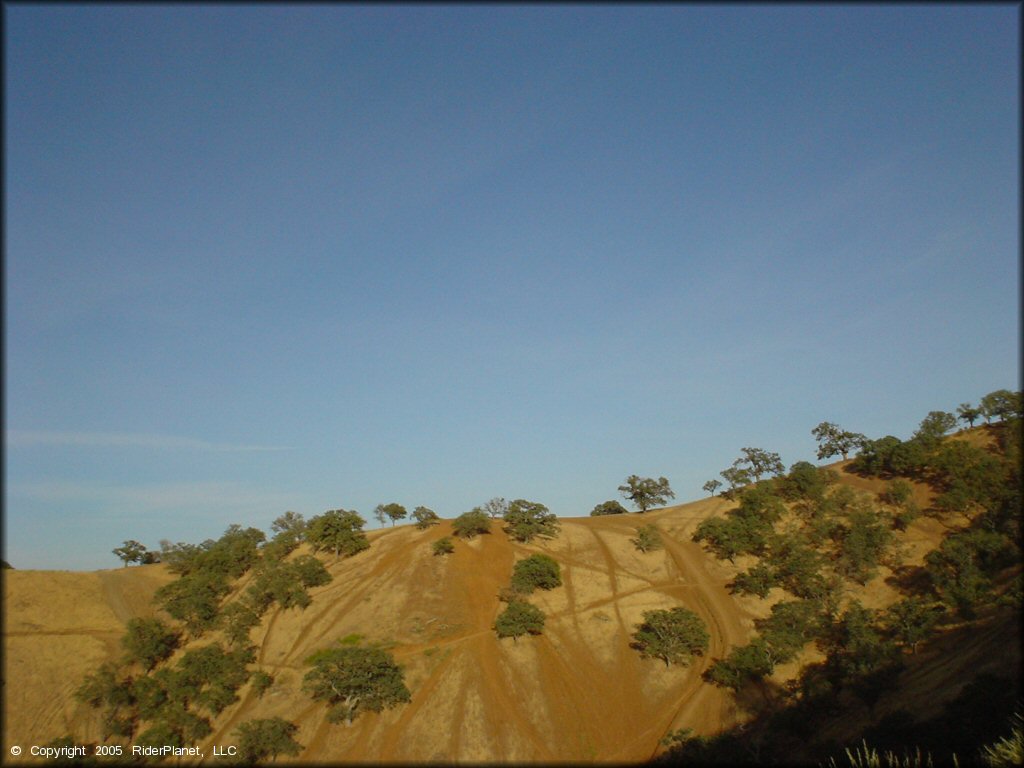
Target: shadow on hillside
[[978, 696], [910, 580]]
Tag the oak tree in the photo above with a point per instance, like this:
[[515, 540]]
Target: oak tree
[[646, 492]]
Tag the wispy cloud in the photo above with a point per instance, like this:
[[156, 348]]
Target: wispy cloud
[[17, 437], [154, 497]]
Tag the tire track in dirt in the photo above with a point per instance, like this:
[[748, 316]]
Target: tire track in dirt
[[610, 564], [421, 696], [727, 630], [382, 567], [494, 682]]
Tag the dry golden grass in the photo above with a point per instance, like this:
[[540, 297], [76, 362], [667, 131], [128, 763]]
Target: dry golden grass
[[577, 693]]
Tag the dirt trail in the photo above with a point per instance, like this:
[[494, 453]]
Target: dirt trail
[[577, 693]]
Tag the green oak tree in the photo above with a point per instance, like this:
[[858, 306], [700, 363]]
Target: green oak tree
[[352, 680], [526, 519], [519, 618], [675, 636], [646, 492], [130, 552], [265, 738], [472, 523], [339, 531], [833, 440]]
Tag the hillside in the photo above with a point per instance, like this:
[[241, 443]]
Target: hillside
[[576, 693], [475, 697]]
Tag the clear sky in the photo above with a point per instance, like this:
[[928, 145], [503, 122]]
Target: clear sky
[[267, 258]]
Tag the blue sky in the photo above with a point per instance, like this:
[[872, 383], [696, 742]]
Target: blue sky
[[267, 258]]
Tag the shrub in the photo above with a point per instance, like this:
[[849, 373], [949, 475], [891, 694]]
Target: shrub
[[912, 620], [238, 618], [443, 546], [261, 682], [536, 572], [734, 535], [863, 543], [897, 493], [647, 538], [471, 524], [608, 508]]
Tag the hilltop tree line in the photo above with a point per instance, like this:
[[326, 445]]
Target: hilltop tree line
[[806, 541]]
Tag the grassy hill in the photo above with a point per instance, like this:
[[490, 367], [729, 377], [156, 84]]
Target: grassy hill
[[578, 692]]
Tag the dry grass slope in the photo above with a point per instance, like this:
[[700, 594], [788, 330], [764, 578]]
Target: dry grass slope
[[577, 693]]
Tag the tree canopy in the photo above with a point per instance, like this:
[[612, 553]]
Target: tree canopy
[[266, 738], [833, 440], [339, 531], [519, 618], [608, 508], [496, 507], [472, 523], [645, 492], [130, 552], [526, 519], [353, 679], [536, 572], [760, 462], [393, 512], [425, 517], [149, 641], [675, 636]]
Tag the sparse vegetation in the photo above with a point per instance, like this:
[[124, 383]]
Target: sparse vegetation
[[496, 507], [812, 544], [647, 538], [443, 546]]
